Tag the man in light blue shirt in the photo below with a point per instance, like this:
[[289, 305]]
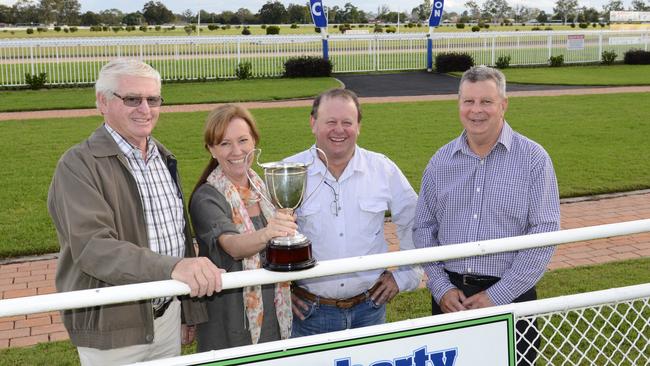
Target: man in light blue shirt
[[345, 218], [488, 183]]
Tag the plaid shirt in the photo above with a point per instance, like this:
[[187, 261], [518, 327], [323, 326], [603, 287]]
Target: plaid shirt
[[465, 198], [161, 199]]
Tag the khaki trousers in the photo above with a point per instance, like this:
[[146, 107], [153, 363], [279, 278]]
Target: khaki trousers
[[166, 343]]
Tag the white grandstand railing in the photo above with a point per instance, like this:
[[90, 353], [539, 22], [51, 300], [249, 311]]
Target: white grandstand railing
[[605, 327], [78, 60]]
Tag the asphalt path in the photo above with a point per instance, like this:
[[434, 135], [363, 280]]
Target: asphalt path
[[421, 83]]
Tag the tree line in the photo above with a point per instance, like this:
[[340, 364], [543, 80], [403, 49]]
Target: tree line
[[68, 12]]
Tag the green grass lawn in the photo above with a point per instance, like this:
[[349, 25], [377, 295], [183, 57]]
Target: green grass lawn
[[598, 144], [409, 305], [581, 75], [257, 30], [174, 93]]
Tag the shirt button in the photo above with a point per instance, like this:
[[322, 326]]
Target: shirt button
[[478, 189], [149, 337], [482, 162], [342, 285], [469, 270], [475, 216], [340, 234]]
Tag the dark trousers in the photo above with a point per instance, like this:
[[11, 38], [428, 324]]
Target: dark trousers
[[527, 345]]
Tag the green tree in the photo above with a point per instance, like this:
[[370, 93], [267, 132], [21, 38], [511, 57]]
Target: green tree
[[496, 10], [112, 17], [422, 11], [245, 16], [473, 10], [542, 17], [157, 13], [25, 12], [565, 9], [90, 18], [6, 15], [273, 13], [135, 18], [296, 14], [639, 5]]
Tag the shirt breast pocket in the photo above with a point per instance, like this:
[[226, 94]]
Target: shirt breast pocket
[[510, 199], [308, 223], [371, 218]]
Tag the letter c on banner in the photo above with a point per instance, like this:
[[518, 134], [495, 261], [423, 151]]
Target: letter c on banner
[[317, 9]]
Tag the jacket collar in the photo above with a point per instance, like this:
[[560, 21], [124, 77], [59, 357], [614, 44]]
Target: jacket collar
[[102, 144]]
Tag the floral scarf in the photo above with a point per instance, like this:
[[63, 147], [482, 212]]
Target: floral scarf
[[253, 294]]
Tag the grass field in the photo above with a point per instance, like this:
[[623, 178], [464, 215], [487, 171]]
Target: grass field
[[598, 144], [257, 30], [174, 93], [409, 305], [582, 75]]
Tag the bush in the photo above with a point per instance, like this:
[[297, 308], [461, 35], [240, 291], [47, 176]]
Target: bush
[[535, 28], [37, 81], [130, 28], [503, 62], [263, 26], [66, 30], [105, 28], [486, 25], [29, 30], [476, 28], [294, 26], [272, 29], [157, 28], [572, 25], [637, 57], [583, 25], [548, 29], [481, 24], [378, 29], [344, 27], [608, 57], [593, 25], [73, 29], [316, 29], [307, 66], [460, 25], [602, 25], [117, 29], [188, 29], [446, 62], [244, 70], [556, 61], [41, 29], [57, 28], [143, 28], [391, 29], [213, 27], [246, 32]]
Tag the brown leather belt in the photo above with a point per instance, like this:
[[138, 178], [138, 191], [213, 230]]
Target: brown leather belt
[[339, 303]]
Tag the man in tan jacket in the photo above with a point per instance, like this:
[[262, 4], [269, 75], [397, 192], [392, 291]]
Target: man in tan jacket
[[117, 205]]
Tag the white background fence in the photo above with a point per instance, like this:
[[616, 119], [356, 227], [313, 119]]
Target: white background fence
[[78, 60]]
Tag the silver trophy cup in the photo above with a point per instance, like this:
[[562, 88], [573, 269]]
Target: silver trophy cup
[[286, 183]]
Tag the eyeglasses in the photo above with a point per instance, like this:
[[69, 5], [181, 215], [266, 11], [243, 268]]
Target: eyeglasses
[[334, 207], [133, 101]]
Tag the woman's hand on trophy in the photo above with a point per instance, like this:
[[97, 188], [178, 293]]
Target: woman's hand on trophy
[[282, 224]]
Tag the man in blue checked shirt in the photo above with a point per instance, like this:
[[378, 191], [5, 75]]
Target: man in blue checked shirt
[[488, 183]]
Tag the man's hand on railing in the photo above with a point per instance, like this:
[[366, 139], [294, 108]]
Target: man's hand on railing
[[203, 277]]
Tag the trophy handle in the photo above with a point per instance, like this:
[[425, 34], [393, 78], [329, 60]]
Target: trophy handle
[[250, 179], [327, 166]]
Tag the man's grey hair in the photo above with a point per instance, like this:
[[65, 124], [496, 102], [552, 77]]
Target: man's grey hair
[[111, 73], [482, 73], [336, 93]]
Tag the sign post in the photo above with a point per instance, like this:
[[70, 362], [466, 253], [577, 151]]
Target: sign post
[[320, 21], [434, 21]]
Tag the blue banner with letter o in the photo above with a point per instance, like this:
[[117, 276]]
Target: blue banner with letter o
[[318, 13], [436, 13]]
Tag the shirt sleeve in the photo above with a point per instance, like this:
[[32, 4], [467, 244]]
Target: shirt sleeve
[[529, 265], [402, 207], [425, 233], [212, 217]]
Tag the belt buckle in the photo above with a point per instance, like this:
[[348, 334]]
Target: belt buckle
[[465, 277], [343, 304]]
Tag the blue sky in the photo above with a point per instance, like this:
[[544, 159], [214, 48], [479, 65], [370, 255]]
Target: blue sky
[[178, 6]]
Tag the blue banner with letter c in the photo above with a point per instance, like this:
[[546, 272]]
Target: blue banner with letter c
[[318, 13], [436, 13]]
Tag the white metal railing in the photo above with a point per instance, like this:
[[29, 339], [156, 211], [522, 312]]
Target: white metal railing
[[607, 327], [78, 60]]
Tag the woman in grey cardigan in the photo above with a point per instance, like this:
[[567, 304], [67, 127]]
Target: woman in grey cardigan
[[232, 225]]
